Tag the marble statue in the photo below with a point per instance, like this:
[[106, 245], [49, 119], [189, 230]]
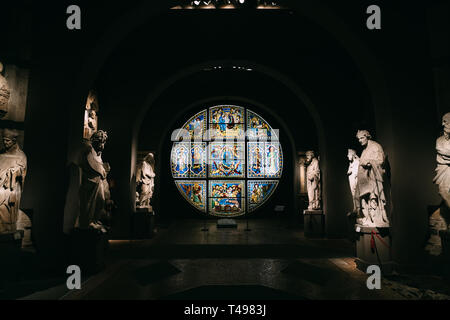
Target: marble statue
[[313, 181], [442, 178], [352, 173], [90, 115], [13, 169], [5, 94], [145, 174], [95, 196], [371, 184]]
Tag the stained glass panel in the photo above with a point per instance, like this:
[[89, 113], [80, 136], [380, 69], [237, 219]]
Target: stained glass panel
[[194, 192], [273, 160], [226, 197], [197, 163], [248, 167], [259, 191], [226, 159], [196, 126], [180, 160]]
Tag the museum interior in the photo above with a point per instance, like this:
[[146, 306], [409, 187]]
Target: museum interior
[[241, 149]]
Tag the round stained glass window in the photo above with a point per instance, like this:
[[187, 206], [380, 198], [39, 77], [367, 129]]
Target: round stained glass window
[[226, 161]]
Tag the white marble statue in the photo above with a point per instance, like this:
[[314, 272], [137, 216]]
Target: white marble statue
[[371, 183], [442, 178], [13, 169], [313, 181], [145, 174], [5, 94], [95, 196], [352, 173]]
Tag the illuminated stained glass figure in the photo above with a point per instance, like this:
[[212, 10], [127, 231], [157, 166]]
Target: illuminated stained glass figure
[[272, 160], [239, 161], [259, 191]]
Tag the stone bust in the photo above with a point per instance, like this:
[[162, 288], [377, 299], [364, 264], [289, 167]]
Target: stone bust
[[313, 181], [13, 169], [370, 189], [5, 94]]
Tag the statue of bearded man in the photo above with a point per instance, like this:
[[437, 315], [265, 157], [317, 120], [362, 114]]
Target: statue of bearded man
[[371, 183], [95, 196], [313, 181], [13, 169]]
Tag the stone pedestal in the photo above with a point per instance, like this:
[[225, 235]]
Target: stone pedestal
[[143, 223], [314, 223], [88, 249], [373, 247], [10, 256], [445, 240]]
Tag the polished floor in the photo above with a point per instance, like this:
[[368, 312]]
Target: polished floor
[[272, 261]]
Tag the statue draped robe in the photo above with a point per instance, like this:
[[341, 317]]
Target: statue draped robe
[[94, 189], [13, 168], [442, 178], [313, 184], [371, 185], [352, 173], [145, 183]]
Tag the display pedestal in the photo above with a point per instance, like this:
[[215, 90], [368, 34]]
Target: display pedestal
[[314, 223], [445, 240], [143, 223], [373, 248], [10, 260], [88, 249], [226, 223]]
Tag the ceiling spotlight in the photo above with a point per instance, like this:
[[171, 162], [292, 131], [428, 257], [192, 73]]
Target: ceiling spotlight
[[196, 2]]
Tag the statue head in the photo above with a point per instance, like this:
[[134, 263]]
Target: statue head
[[98, 140], [351, 155], [309, 156], [363, 137], [446, 123], [150, 159], [9, 138]]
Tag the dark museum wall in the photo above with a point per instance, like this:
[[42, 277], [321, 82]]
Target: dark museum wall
[[317, 68]]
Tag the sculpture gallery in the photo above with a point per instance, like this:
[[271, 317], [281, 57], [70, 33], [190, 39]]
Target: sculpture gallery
[[313, 181], [13, 169], [95, 197], [371, 184], [145, 174]]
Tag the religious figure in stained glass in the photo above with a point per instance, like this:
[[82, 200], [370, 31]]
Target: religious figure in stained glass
[[194, 192], [198, 160], [259, 192], [272, 160], [226, 160]]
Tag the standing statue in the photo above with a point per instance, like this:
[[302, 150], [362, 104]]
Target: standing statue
[[370, 190], [13, 169], [313, 181], [352, 173], [145, 174], [5, 94], [442, 178], [95, 197]]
